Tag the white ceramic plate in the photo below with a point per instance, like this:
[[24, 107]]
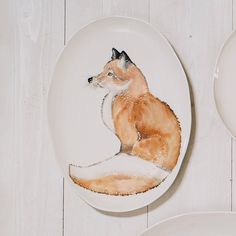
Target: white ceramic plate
[[196, 224], [78, 134], [225, 84]]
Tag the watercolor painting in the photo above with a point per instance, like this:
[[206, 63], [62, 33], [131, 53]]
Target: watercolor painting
[[147, 128]]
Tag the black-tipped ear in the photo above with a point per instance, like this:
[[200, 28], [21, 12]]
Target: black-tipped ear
[[124, 55], [115, 54], [125, 60]]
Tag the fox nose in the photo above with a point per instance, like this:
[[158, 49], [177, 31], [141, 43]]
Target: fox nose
[[90, 79]]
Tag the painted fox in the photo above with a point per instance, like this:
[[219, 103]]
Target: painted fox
[[148, 130]]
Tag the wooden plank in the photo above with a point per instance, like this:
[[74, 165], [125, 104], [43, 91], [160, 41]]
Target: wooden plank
[[233, 14], [197, 29], [80, 13], [79, 217], [82, 219], [131, 8], [233, 175], [37, 181], [7, 167], [233, 147]]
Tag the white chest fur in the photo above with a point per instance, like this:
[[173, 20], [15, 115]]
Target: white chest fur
[[107, 111]]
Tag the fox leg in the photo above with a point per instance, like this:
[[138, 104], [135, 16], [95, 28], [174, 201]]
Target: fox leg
[[128, 135], [127, 144], [154, 149]]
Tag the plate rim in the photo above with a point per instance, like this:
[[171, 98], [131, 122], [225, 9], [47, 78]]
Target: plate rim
[[187, 214], [215, 77], [185, 79]]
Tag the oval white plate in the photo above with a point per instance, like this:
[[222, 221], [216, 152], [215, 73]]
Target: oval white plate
[[196, 224], [225, 84], [74, 108]]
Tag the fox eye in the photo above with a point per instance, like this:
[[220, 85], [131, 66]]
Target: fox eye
[[110, 74]]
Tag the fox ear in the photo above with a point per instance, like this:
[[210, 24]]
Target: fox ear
[[115, 54], [125, 61]]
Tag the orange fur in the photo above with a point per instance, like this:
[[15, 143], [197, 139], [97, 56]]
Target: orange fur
[[118, 184], [147, 128]]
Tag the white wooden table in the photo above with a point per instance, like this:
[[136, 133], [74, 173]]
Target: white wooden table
[[34, 199]]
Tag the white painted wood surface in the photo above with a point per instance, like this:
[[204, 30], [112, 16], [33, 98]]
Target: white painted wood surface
[[7, 155], [33, 198], [196, 30], [233, 142]]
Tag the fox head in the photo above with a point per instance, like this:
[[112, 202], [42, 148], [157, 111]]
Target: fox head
[[120, 74]]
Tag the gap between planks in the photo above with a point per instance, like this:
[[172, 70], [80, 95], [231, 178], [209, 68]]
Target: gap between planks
[[63, 180]]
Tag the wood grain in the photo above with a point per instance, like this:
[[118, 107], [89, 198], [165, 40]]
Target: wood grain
[[75, 209], [233, 175], [233, 12], [32, 33], [37, 182], [131, 8], [233, 141], [80, 13], [196, 29], [7, 153]]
